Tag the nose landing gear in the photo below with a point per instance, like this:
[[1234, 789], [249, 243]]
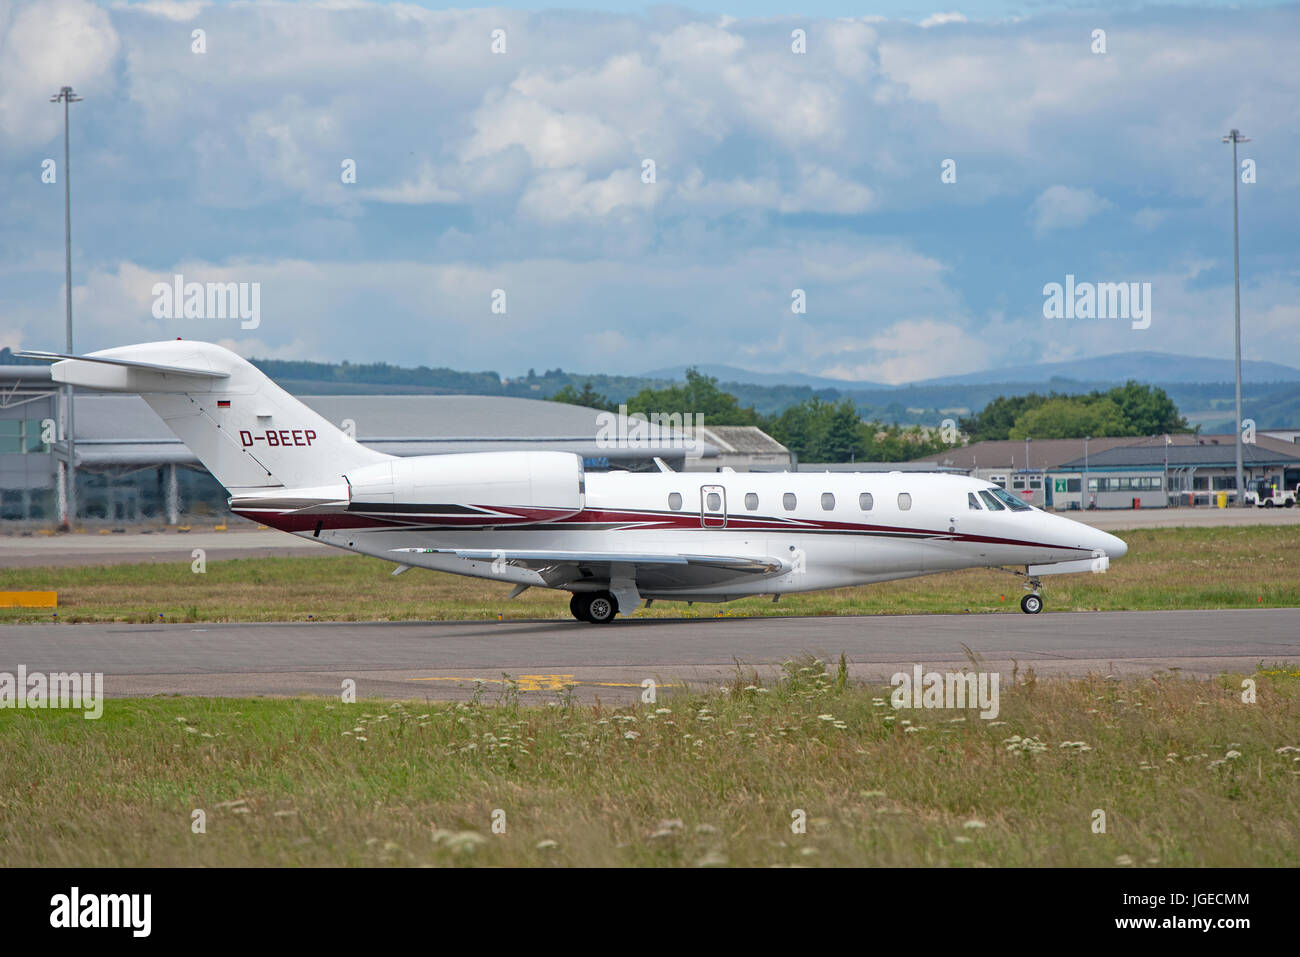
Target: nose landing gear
[[1032, 603]]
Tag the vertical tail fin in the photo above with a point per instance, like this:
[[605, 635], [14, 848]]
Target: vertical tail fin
[[246, 430]]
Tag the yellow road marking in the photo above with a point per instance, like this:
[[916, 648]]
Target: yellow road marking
[[543, 682]]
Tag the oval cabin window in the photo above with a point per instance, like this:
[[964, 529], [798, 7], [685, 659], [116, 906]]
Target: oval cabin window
[[865, 501], [675, 501], [904, 501], [714, 501], [828, 501], [751, 501], [789, 501]]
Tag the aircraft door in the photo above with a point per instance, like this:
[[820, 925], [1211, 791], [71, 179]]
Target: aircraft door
[[713, 506]]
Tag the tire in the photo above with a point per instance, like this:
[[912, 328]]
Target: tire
[[576, 608], [1268, 503], [1031, 604], [599, 607]]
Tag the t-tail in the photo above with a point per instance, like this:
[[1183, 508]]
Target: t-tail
[[248, 432]]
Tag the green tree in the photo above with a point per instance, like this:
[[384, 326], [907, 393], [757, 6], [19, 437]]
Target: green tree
[[995, 420], [896, 443], [1072, 417], [699, 395], [1147, 410], [588, 397], [819, 431]]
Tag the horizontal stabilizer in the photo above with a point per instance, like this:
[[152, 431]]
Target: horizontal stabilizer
[[128, 363]]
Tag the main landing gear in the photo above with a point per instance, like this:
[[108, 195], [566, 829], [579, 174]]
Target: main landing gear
[[596, 607]]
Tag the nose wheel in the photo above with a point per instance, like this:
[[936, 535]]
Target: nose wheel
[[1031, 604]]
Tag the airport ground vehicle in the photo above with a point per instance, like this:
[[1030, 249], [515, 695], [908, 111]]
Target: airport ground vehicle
[[1267, 495]]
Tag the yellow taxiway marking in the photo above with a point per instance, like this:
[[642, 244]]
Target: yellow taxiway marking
[[544, 682], [29, 599]]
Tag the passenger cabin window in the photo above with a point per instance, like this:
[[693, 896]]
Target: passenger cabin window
[[714, 501], [789, 501], [675, 501], [904, 501], [973, 502], [751, 501], [993, 504], [865, 501], [828, 502]]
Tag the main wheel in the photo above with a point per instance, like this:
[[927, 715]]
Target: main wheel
[[598, 607], [1031, 604], [576, 608]]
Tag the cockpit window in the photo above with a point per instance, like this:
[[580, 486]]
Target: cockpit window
[[972, 501], [1015, 504], [993, 504]]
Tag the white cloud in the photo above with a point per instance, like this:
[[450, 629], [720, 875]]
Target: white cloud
[[45, 46], [1064, 207], [552, 138], [910, 350], [423, 190], [939, 19]]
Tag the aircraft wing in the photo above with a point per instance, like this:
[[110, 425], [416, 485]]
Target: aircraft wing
[[651, 570]]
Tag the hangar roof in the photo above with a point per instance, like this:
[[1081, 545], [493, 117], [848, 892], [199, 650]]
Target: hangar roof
[[122, 429], [1211, 455]]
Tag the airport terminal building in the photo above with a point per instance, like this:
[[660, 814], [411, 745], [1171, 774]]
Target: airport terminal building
[[1154, 471]]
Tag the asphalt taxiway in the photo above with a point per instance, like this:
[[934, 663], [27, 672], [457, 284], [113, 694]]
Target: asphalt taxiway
[[444, 660]]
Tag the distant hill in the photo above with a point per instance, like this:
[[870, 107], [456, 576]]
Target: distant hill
[[1111, 369], [1119, 367], [725, 373]]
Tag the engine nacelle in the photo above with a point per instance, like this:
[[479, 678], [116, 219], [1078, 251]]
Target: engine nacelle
[[471, 489]]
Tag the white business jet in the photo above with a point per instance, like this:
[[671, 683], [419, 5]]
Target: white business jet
[[612, 539]]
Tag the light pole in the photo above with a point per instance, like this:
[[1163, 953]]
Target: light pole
[[1084, 497], [1234, 137], [66, 97]]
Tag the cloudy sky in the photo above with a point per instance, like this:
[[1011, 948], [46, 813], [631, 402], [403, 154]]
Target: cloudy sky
[[774, 170]]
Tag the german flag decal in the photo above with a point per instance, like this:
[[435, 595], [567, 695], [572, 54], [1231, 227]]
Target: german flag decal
[[223, 403]]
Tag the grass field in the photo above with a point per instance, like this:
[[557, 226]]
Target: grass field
[[1174, 568], [1184, 771]]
